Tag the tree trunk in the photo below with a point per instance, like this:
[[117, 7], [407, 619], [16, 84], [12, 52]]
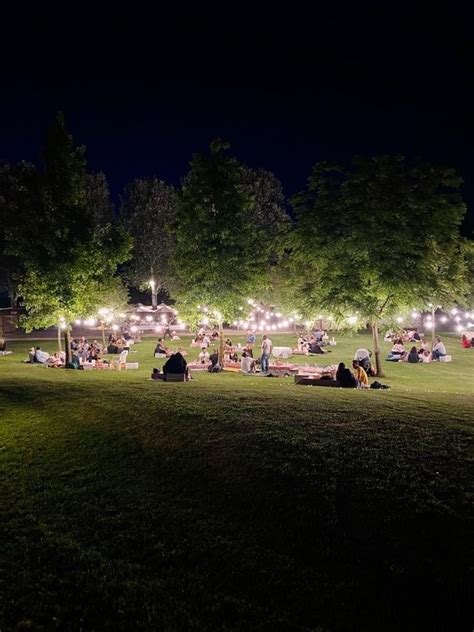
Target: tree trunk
[[103, 335], [154, 297], [67, 346], [221, 344], [433, 327], [375, 338], [59, 339]]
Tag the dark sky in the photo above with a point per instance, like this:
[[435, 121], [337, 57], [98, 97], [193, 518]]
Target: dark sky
[[341, 89]]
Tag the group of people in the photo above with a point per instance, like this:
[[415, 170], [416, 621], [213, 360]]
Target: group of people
[[398, 353], [466, 343], [313, 344]]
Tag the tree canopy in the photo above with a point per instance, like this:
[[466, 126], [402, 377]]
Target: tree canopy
[[378, 237]]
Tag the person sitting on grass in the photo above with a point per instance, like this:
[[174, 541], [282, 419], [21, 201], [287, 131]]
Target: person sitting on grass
[[247, 363], [439, 350], [176, 364], [233, 357], [315, 347], [424, 355], [465, 343], [360, 375], [413, 356], [214, 367], [41, 356], [397, 352], [75, 362], [344, 377], [160, 347], [203, 357], [156, 375], [55, 361], [302, 344]]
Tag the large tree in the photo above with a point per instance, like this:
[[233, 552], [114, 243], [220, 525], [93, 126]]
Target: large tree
[[377, 238], [223, 246], [69, 262], [148, 209], [98, 201]]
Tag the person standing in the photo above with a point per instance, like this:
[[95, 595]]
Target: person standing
[[267, 348]]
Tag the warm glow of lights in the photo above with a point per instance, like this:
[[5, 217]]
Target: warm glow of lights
[[103, 311], [443, 319], [63, 325], [149, 318], [454, 311], [278, 315], [133, 329], [307, 323], [152, 282], [457, 318], [78, 321], [122, 315], [205, 321], [115, 327], [245, 324], [399, 319], [459, 327], [352, 320]]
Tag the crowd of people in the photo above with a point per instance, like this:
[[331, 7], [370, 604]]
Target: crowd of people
[[399, 353]]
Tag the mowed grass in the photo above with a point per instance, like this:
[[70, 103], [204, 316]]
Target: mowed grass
[[235, 502]]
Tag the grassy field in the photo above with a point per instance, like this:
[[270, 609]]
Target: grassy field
[[234, 502]]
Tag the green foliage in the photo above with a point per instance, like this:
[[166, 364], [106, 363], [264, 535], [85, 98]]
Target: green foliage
[[379, 237], [148, 208], [226, 230], [69, 261], [99, 204]]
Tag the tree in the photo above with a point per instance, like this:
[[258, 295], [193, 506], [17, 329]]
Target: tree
[[69, 262], [148, 208], [377, 238], [11, 178], [222, 252], [99, 204]]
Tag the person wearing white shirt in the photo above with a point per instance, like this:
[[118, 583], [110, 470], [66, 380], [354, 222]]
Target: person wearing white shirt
[[247, 363], [362, 356], [203, 357], [439, 350], [266, 347]]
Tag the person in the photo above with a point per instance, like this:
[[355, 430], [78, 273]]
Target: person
[[267, 348], [414, 336], [168, 332], [424, 355], [203, 357], [156, 375], [424, 345], [360, 375], [362, 356], [160, 347], [397, 352], [439, 350], [344, 377], [315, 347], [233, 357], [176, 364], [31, 356], [215, 335], [3, 344], [251, 339], [302, 345], [214, 367], [75, 362], [206, 340], [247, 363], [465, 342], [413, 356], [54, 361], [41, 356]]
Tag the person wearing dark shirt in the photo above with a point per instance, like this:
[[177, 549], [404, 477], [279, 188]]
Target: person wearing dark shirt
[[345, 377], [176, 364], [413, 356]]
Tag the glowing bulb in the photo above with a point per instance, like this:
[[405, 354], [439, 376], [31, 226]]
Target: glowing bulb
[[443, 319], [149, 318], [399, 319], [78, 321], [133, 329], [459, 328], [457, 319], [114, 327], [454, 311], [103, 311], [352, 320]]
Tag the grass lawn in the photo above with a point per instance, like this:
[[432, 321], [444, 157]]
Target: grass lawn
[[234, 502]]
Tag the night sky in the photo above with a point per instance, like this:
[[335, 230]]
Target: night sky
[[404, 89]]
